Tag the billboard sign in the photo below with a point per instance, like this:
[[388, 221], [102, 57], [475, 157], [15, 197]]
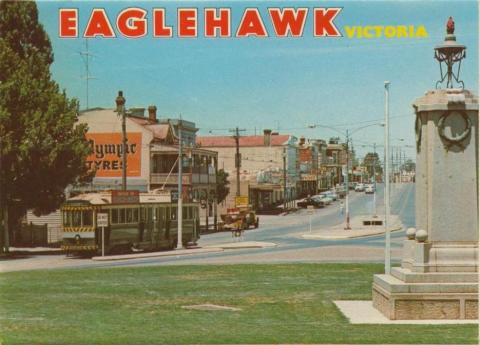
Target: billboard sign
[[107, 151]]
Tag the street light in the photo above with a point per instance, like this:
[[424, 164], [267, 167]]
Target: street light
[[387, 181]]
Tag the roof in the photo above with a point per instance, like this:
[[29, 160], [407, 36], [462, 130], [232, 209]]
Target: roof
[[245, 141], [160, 130]]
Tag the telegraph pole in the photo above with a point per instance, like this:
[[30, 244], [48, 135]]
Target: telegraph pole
[[284, 179], [238, 158], [120, 101], [375, 178], [180, 182], [347, 211]]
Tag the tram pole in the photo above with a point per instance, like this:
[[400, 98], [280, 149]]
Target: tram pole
[[180, 193]]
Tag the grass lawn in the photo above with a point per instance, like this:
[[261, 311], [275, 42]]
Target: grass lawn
[[279, 304]]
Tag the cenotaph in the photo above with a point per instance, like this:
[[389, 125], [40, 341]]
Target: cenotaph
[[438, 277]]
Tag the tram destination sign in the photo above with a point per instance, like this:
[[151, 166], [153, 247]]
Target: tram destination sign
[[125, 197]]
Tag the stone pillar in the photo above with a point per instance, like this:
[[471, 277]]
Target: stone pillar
[[438, 278]]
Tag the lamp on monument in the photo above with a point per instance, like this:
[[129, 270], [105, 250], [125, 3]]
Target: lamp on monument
[[450, 53]]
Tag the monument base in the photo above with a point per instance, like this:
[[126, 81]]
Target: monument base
[[407, 295]]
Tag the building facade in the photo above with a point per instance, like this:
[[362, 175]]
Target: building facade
[[269, 167], [152, 156]]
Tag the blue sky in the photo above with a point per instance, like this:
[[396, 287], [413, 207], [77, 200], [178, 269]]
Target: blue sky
[[278, 83]]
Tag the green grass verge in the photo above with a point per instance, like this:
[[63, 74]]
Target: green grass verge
[[280, 304]]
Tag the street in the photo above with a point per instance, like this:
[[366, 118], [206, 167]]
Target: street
[[284, 231]]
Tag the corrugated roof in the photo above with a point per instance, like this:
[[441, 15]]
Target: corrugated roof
[[245, 141]]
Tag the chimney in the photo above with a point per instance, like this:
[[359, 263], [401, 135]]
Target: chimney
[[267, 135], [302, 141], [152, 113]]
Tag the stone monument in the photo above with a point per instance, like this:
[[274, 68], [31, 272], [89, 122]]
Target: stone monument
[[438, 277]]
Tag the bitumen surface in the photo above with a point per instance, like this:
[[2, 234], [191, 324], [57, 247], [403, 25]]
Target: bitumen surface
[[283, 231]]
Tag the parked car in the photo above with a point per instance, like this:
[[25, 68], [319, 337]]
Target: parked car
[[352, 185], [317, 203], [369, 189], [323, 197], [341, 192], [360, 187], [330, 194]]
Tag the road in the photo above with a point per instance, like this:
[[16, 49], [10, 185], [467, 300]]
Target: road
[[285, 232]]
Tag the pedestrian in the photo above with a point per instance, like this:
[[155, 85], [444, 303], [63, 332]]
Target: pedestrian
[[341, 208]]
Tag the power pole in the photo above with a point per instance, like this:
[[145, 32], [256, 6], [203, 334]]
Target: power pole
[[347, 210], [238, 158], [284, 179], [374, 178], [180, 192]]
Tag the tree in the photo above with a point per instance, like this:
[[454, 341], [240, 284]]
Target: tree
[[369, 161], [41, 148], [222, 185]]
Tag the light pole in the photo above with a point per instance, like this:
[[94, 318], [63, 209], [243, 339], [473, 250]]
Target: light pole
[[180, 183], [387, 181]]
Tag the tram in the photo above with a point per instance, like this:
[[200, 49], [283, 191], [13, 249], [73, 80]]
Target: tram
[[136, 221]]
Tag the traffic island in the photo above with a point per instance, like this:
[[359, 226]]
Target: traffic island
[[361, 226]]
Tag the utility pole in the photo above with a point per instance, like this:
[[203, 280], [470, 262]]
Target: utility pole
[[238, 158], [387, 182], [347, 210], [284, 179], [374, 179], [180, 183], [3, 208], [120, 101]]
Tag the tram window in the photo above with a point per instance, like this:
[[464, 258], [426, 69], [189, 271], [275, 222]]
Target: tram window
[[76, 218], [87, 218], [65, 218], [114, 216], [129, 215], [184, 212], [174, 213], [135, 215], [121, 215]]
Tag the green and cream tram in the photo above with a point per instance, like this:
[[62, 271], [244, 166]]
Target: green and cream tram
[[148, 222]]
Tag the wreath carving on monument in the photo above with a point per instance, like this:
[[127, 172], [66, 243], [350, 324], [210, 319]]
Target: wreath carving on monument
[[418, 131], [454, 140]]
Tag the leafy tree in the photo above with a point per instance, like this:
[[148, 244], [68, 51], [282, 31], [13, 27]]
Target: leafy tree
[[222, 185], [41, 148], [370, 160]]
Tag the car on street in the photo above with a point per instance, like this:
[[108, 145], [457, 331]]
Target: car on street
[[369, 189], [341, 192], [331, 194], [360, 187], [315, 202], [324, 198]]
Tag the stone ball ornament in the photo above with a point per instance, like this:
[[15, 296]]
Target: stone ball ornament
[[411, 233], [421, 235]]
